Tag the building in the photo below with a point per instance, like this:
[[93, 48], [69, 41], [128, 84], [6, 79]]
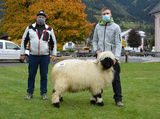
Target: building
[[156, 12], [69, 46]]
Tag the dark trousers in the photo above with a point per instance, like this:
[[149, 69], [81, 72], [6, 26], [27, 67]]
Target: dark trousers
[[34, 62], [116, 84]]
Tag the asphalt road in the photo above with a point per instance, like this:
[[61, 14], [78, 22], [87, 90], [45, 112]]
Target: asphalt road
[[122, 59]]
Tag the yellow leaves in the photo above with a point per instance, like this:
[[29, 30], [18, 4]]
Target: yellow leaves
[[67, 18], [17, 41]]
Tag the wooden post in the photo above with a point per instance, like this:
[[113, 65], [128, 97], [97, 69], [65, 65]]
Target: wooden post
[[126, 57]]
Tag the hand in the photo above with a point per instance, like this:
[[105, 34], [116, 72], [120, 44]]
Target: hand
[[114, 61], [98, 51], [53, 58], [22, 58]]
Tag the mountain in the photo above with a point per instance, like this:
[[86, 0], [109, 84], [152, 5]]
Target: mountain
[[1, 7], [1, 14], [93, 9], [122, 10], [139, 8]]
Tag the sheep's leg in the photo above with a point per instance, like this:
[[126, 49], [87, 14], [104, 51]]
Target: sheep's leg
[[93, 100], [60, 87], [55, 98], [60, 98], [97, 99]]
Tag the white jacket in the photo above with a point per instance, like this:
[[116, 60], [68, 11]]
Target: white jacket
[[39, 46]]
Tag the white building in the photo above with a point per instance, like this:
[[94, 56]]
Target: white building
[[68, 46], [125, 35], [156, 12]]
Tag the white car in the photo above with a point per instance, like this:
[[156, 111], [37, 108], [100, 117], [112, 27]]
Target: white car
[[10, 51]]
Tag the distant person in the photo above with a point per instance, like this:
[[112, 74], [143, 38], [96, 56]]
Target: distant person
[[107, 37], [41, 41]]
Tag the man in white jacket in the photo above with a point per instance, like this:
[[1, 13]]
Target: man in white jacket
[[41, 41], [107, 37]]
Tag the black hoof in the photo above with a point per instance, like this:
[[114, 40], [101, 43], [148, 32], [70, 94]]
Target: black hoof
[[61, 99], [100, 104], [93, 102], [56, 105]]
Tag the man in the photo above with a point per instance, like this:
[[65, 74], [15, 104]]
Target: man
[[41, 40], [107, 37]]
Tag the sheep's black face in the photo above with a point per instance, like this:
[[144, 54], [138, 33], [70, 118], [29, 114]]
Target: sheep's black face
[[107, 63]]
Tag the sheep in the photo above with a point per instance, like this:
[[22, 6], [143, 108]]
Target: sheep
[[78, 75]]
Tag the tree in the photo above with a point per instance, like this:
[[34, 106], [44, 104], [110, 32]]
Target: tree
[[134, 39], [16, 17], [152, 42], [66, 17]]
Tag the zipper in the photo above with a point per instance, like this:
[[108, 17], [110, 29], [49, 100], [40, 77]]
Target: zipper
[[104, 38], [38, 42], [40, 39]]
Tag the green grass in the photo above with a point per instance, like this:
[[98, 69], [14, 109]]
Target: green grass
[[141, 96], [129, 25]]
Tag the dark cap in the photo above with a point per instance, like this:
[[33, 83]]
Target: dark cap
[[41, 13]]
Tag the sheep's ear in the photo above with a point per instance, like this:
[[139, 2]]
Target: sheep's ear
[[96, 61]]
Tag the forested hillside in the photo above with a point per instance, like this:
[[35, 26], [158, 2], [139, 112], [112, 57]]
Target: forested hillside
[[1, 14], [126, 10], [123, 11]]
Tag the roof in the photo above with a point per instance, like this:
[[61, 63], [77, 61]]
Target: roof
[[156, 9], [125, 33]]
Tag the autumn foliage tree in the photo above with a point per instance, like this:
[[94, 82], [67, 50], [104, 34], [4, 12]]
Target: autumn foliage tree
[[16, 17], [66, 17]]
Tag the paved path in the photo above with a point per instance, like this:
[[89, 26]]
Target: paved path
[[141, 59], [122, 59]]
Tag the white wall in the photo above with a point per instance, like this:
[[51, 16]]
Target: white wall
[[157, 32]]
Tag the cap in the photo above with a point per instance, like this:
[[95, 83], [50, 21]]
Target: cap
[[41, 13]]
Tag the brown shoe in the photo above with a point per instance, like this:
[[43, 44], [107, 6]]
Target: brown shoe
[[119, 104]]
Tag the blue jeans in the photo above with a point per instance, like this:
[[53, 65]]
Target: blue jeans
[[43, 62]]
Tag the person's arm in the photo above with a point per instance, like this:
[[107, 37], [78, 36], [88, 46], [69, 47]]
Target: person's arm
[[95, 41], [54, 45], [24, 42], [118, 43]]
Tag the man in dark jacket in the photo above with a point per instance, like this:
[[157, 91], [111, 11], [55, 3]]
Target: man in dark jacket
[[107, 37], [41, 41]]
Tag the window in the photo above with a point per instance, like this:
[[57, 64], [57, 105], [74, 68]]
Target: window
[[69, 44], [1, 45], [11, 46]]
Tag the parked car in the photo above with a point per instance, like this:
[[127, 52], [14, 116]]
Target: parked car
[[10, 51]]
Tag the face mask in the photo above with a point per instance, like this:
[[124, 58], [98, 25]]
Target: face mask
[[40, 21], [106, 18]]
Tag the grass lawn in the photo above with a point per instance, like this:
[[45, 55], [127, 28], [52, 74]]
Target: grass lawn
[[141, 96]]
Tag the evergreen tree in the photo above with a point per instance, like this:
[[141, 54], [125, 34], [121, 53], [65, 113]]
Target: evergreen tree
[[134, 39]]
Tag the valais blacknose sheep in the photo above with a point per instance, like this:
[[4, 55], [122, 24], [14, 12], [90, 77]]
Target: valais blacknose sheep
[[78, 75]]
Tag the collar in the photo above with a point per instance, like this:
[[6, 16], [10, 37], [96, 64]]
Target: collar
[[34, 25], [103, 23]]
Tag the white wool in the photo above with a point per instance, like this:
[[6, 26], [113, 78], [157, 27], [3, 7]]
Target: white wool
[[76, 75]]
